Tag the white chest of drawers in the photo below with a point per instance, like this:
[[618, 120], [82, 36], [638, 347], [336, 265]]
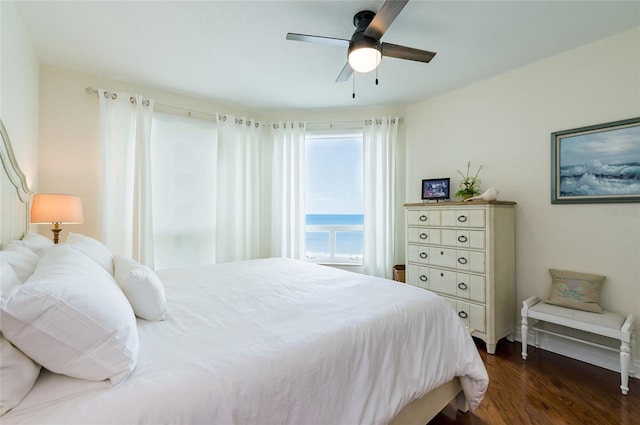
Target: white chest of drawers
[[465, 251]]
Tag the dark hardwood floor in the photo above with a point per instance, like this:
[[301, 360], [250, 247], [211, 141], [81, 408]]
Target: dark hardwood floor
[[547, 389]]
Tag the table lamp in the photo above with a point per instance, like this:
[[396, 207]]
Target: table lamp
[[56, 209]]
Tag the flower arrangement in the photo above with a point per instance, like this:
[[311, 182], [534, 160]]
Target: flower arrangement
[[469, 186]]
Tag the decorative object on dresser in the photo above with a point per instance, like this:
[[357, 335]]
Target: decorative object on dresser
[[469, 185], [465, 253], [56, 209], [490, 194], [435, 189]]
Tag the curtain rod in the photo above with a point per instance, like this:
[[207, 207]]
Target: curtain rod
[[330, 125], [91, 90]]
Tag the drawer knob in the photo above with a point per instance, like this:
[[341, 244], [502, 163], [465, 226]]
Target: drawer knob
[[462, 218], [441, 274], [462, 238], [423, 236], [462, 286], [423, 217], [463, 314], [423, 278], [441, 252], [423, 255], [462, 260]]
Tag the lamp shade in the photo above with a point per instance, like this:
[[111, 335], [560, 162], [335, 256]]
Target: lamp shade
[[364, 59], [56, 208]]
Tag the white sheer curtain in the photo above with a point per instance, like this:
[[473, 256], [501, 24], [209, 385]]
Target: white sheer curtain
[[288, 192], [184, 154], [380, 138], [238, 206], [125, 129]]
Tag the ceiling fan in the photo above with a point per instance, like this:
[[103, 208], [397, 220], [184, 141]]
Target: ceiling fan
[[365, 50]]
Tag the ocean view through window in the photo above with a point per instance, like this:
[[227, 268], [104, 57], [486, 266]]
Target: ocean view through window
[[334, 198]]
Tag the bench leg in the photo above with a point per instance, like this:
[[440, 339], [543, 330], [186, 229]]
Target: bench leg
[[631, 345], [525, 334], [625, 361]]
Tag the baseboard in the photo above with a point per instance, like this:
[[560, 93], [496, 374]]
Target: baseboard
[[583, 352]]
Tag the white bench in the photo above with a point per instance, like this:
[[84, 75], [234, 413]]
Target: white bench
[[609, 330]]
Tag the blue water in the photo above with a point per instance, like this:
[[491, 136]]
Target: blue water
[[597, 178], [348, 244]]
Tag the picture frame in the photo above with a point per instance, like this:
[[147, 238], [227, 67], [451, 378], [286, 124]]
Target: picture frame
[[436, 189], [596, 164]]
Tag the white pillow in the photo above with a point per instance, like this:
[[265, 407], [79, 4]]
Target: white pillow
[[22, 260], [142, 288], [18, 373], [71, 317], [36, 243], [93, 248]]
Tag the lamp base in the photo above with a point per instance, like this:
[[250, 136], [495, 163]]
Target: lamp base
[[56, 232]]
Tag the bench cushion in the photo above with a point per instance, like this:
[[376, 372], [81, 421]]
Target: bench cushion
[[605, 324]]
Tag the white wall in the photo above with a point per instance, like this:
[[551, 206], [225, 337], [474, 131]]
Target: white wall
[[19, 69], [69, 151], [505, 124]]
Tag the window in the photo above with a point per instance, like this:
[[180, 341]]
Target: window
[[183, 164], [334, 198]]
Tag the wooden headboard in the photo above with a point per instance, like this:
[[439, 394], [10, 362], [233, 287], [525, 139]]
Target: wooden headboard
[[14, 194]]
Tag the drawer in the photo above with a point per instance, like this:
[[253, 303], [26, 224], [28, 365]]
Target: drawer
[[422, 235], [418, 276], [443, 281], [462, 238], [470, 287], [418, 254], [453, 258], [462, 218], [461, 285], [472, 315], [423, 218]]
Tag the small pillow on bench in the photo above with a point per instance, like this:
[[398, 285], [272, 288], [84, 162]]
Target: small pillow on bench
[[580, 291]]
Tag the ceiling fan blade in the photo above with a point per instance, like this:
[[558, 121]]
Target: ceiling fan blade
[[345, 73], [403, 52], [383, 19], [318, 39]]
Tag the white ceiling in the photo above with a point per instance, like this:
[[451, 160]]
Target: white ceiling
[[236, 51]]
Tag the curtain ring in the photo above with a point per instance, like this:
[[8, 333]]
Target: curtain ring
[[132, 100]]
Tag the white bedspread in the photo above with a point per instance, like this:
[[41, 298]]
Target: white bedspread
[[273, 342]]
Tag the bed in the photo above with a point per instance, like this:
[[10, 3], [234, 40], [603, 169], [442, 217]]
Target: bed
[[266, 341]]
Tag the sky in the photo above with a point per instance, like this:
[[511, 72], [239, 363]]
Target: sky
[[609, 147], [334, 169]]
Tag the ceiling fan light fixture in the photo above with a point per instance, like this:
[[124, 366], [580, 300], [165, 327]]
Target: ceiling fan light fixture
[[364, 59]]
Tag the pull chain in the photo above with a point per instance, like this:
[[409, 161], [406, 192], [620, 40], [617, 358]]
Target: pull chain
[[377, 74], [353, 95]]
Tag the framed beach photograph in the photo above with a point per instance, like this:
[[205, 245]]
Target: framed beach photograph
[[599, 163]]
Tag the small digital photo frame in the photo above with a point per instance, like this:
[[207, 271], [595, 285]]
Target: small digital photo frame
[[435, 189]]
